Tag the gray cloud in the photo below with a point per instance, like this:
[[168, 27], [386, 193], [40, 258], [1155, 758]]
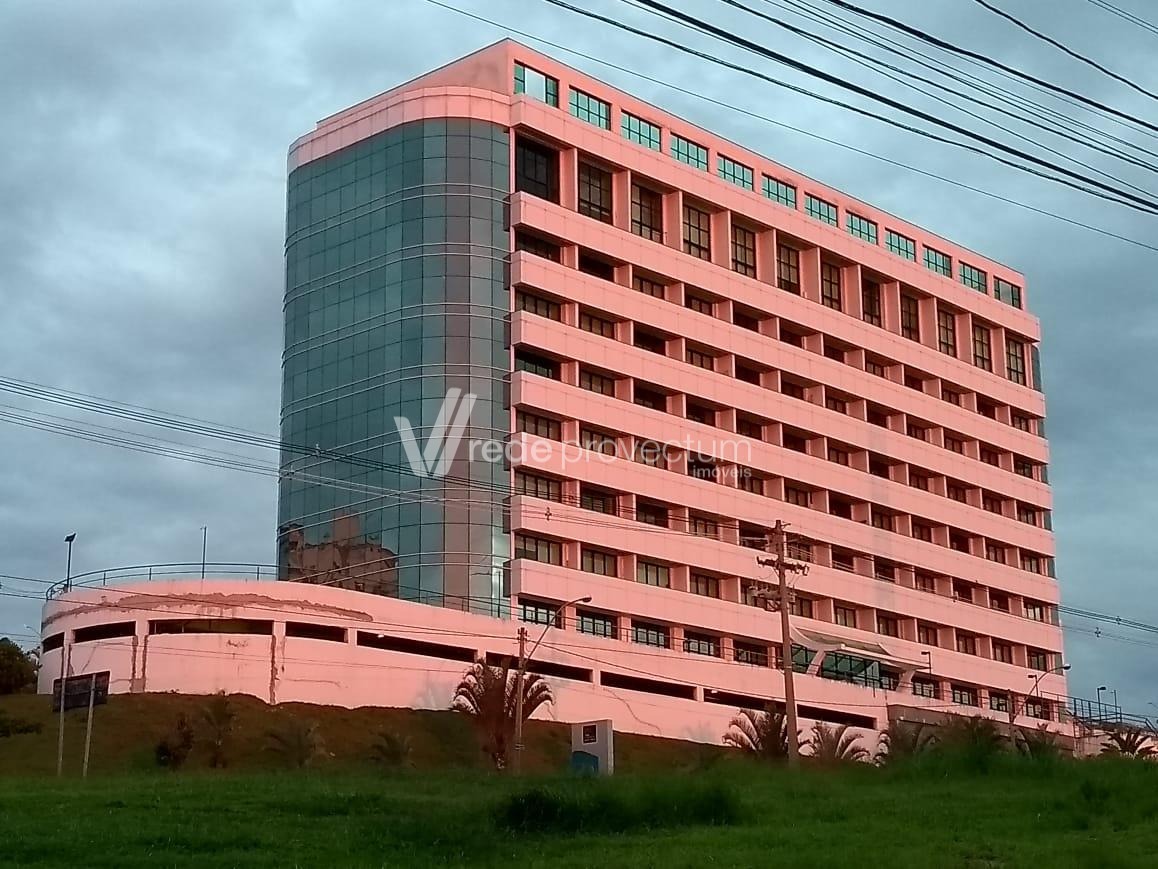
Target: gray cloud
[[141, 226]]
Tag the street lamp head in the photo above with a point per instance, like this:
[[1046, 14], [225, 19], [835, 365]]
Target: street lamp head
[[584, 599], [1101, 687], [71, 537], [1065, 666]]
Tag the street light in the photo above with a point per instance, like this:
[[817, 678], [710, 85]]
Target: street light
[[1101, 688], [1036, 683], [63, 663], [1061, 668], [68, 570], [524, 659]]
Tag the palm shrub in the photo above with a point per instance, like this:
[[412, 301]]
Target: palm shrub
[[1038, 743], [1129, 742], [174, 748], [392, 750], [761, 734], [903, 741], [488, 695], [975, 741], [218, 715], [831, 745], [297, 743]]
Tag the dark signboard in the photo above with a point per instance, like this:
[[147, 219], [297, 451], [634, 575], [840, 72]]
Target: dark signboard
[[77, 688]]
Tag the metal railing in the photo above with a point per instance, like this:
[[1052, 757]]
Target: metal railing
[[175, 570]]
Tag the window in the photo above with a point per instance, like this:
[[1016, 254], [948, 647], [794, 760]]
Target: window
[[534, 364], [1035, 707], [1034, 611], [992, 503], [701, 526], [743, 251], [597, 500], [950, 396], [1022, 422], [1037, 660], [533, 423], [916, 431], [737, 173], [954, 444], [525, 301], [650, 635], [927, 634], [800, 550], [973, 278], [701, 644], [647, 286], [901, 245], [651, 514], [875, 368], [650, 398], [799, 497], [998, 602], [956, 492], [538, 549], [910, 317], [966, 644], [649, 573], [924, 687], [750, 653], [964, 695], [862, 227], [536, 169], [539, 613], [646, 213], [1023, 467], [922, 532], [699, 358], [705, 586], [597, 624], [830, 286], [1002, 652], [534, 84], [697, 232], [788, 268], [844, 616], [640, 131], [594, 192], [597, 441], [998, 702], [818, 208], [995, 552], [537, 486], [695, 302], [590, 109], [836, 454], [780, 192], [882, 520], [1015, 360], [947, 332], [525, 241], [941, 263], [870, 303], [800, 606], [888, 626], [837, 404], [750, 481], [689, 152], [991, 457], [597, 561], [1006, 292], [982, 354], [926, 583]]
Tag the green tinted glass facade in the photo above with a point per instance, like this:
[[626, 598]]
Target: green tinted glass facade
[[396, 292]]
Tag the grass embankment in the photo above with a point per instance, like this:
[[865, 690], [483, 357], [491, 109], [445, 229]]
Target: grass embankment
[[1101, 813]]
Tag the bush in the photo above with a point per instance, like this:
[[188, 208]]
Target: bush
[[392, 750], [297, 743], [17, 726], [601, 806], [173, 750]]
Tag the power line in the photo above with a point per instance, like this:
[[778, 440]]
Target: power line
[[1071, 179], [1149, 128], [1127, 16], [1063, 47]]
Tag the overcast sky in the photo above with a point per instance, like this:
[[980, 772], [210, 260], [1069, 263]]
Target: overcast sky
[[142, 192]]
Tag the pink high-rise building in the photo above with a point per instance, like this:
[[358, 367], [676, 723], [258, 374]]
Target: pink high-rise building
[[684, 342]]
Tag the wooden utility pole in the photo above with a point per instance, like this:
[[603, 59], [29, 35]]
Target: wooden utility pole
[[778, 544], [517, 759]]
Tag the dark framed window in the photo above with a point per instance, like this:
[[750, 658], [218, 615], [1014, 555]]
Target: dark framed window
[[595, 192], [1006, 292], [816, 207], [650, 635], [938, 262], [647, 286], [844, 616], [535, 364], [998, 702], [539, 613], [778, 191], [646, 213], [597, 441], [589, 322], [538, 246], [1015, 360], [525, 301], [705, 586], [538, 549], [889, 626], [966, 644], [538, 486], [973, 277], [536, 169], [1002, 652], [533, 423], [830, 295], [947, 331], [598, 561], [750, 653], [964, 695], [697, 232], [591, 109], [901, 245], [924, 687], [595, 382], [788, 268], [700, 359], [650, 573], [982, 352], [743, 251], [687, 151], [736, 173], [701, 644], [910, 317], [870, 302], [927, 635], [597, 624], [702, 526], [862, 228], [597, 500], [698, 303], [638, 130], [535, 84]]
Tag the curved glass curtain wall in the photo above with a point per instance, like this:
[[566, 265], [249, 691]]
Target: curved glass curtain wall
[[397, 291]]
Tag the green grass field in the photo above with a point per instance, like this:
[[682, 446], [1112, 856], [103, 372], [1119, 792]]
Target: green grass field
[[448, 811]]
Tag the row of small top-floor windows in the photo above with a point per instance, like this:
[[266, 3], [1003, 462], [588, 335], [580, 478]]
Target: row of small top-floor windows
[[538, 177], [550, 306], [751, 425]]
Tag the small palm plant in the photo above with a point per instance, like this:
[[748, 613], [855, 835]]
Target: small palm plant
[[902, 741], [488, 695], [1129, 742], [831, 745], [762, 734], [1038, 743], [218, 715], [392, 750], [298, 743]]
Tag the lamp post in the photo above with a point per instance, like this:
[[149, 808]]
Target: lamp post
[[1060, 668], [524, 659], [68, 569], [64, 662], [1101, 715], [204, 545]]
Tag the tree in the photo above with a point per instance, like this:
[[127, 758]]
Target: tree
[[1038, 743], [392, 750], [903, 740], [976, 740], [173, 750], [1129, 742], [17, 668], [488, 695], [761, 734], [218, 715], [298, 743], [831, 745]]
